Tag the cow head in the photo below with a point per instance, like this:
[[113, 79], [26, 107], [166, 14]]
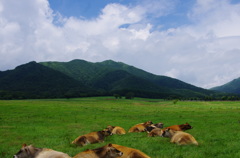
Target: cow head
[[148, 123], [26, 152], [168, 133], [186, 126], [150, 128], [106, 132], [107, 151], [112, 152], [110, 127], [159, 125]]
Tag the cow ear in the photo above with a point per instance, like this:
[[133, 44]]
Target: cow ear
[[24, 145]]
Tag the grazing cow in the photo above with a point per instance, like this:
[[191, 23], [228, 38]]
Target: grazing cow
[[182, 127], [142, 127], [116, 130], [130, 152], [179, 137], [107, 151], [91, 138], [32, 152], [155, 132]]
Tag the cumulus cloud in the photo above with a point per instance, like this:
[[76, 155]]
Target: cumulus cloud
[[204, 52]]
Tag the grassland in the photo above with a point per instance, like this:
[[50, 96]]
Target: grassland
[[55, 123]]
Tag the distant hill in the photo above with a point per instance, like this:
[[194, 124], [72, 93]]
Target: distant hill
[[79, 78], [117, 77], [230, 87], [33, 80]]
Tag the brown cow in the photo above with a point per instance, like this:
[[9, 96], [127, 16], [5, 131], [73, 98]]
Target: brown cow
[[32, 152], [107, 151], [182, 127], [155, 132], [159, 125], [116, 130], [142, 127], [179, 137], [91, 138], [130, 152], [154, 126]]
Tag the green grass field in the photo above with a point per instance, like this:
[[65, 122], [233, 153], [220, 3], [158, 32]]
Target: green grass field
[[56, 123]]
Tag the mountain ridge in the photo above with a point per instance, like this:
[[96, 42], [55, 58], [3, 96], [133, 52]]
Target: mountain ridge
[[78, 78], [33, 80], [230, 87]]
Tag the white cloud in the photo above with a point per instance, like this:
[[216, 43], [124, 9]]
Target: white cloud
[[157, 8], [219, 17], [174, 73], [204, 53]]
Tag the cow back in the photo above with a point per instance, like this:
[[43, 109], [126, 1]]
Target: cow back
[[118, 130], [86, 154], [183, 138], [155, 132], [182, 127], [48, 153], [130, 152], [90, 138], [173, 127], [107, 151]]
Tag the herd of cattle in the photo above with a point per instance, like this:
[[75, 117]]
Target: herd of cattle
[[175, 133]]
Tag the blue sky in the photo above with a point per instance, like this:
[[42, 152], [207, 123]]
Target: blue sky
[[84, 8], [196, 41], [92, 8]]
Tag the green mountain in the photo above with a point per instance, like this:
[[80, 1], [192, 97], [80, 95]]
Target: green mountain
[[230, 87], [116, 77], [33, 80], [78, 78]]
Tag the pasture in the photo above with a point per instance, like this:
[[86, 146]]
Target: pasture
[[56, 123]]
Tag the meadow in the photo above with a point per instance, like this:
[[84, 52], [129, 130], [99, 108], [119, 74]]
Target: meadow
[[55, 123]]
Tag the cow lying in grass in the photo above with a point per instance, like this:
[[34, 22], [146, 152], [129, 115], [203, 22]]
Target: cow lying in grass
[[155, 132], [182, 127], [179, 137], [156, 127], [142, 127], [130, 152], [107, 151], [32, 152], [116, 130], [91, 138]]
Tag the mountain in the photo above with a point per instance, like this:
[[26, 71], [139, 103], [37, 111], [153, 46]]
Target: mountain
[[230, 87], [117, 77], [33, 80], [78, 78]]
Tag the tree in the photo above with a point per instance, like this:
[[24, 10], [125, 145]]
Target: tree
[[129, 95], [117, 96], [175, 101]]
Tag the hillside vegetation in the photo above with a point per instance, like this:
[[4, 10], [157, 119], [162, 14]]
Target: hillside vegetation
[[230, 87], [116, 77], [56, 123], [79, 78]]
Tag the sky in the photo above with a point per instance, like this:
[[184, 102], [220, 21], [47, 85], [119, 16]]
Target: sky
[[196, 41]]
